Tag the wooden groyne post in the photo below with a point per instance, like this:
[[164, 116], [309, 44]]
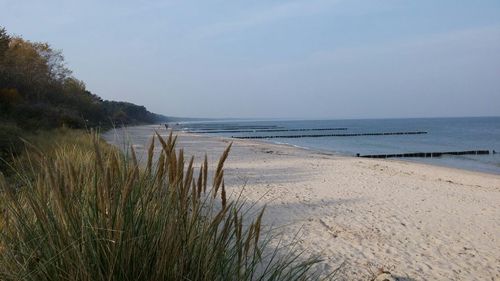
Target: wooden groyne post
[[265, 130], [331, 135], [427, 154]]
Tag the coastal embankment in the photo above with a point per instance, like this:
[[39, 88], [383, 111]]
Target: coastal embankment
[[418, 221]]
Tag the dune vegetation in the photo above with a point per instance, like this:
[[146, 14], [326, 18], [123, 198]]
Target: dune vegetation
[[77, 208]]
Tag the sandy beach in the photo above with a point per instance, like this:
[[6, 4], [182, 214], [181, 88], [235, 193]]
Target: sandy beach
[[419, 222]]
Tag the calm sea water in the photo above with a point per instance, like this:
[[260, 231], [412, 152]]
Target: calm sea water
[[444, 134]]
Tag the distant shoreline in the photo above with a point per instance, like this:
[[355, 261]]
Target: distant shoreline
[[339, 154], [161, 127], [378, 137]]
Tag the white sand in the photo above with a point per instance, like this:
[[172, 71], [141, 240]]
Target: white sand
[[418, 221]]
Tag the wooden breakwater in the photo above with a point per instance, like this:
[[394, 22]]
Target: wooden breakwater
[[331, 135], [265, 130], [427, 154], [198, 128]]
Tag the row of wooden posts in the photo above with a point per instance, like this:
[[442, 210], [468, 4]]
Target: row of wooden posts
[[395, 155], [428, 154], [331, 135]]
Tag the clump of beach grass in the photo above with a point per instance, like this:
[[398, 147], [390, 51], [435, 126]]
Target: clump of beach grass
[[84, 211]]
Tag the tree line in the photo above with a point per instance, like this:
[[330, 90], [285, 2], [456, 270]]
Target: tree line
[[38, 92]]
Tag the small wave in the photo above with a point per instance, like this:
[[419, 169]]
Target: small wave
[[293, 145]]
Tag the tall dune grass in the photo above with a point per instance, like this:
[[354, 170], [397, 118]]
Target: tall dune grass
[[83, 211]]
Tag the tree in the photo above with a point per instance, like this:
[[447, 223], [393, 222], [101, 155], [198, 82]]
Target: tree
[[54, 59], [4, 41], [26, 69], [4, 46]]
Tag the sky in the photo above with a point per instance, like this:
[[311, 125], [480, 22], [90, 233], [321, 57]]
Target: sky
[[310, 59]]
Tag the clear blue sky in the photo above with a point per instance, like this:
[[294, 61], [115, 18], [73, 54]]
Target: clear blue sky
[[278, 59]]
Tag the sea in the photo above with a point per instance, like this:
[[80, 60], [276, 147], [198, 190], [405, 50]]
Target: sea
[[374, 137]]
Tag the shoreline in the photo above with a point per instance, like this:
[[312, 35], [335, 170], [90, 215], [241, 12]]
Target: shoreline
[[419, 221], [338, 154], [398, 160]]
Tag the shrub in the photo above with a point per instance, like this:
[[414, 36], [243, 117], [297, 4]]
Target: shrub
[[10, 143]]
